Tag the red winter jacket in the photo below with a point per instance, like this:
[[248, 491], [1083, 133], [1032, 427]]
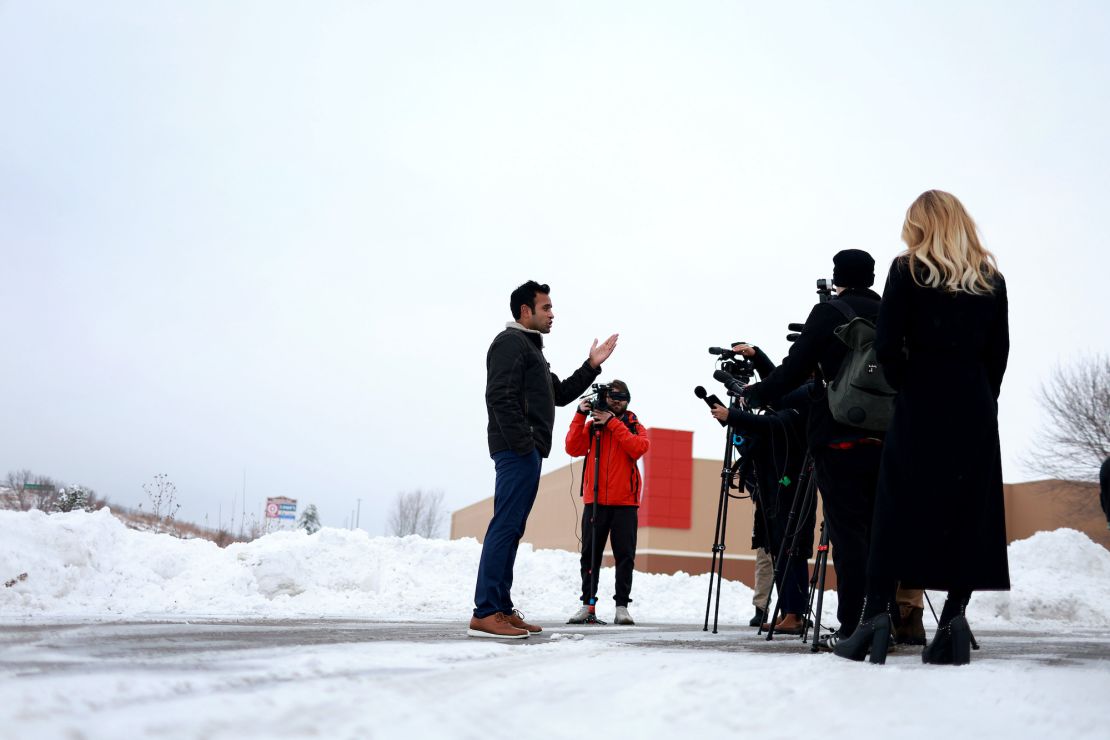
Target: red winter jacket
[[619, 483]]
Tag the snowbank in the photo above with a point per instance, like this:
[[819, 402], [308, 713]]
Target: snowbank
[[91, 566]]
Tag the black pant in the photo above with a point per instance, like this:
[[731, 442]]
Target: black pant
[[847, 480], [794, 589], [617, 524]]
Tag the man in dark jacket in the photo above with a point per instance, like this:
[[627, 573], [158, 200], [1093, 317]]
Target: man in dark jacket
[[521, 395], [620, 441], [846, 459]]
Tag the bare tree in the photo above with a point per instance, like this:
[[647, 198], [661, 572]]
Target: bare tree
[[1075, 438], [31, 491], [162, 495], [417, 512]]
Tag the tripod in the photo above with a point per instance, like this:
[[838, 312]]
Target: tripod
[[595, 556], [805, 498], [733, 443], [817, 585]]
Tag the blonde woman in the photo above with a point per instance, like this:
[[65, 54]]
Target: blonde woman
[[943, 341]]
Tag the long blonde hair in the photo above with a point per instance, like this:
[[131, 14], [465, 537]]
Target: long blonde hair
[[943, 246]]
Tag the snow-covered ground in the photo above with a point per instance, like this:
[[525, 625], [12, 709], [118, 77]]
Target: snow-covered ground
[[95, 643]]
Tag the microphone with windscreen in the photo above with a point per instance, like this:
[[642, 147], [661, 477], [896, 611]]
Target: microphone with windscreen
[[710, 401]]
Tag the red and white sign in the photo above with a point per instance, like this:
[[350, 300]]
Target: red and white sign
[[281, 507]]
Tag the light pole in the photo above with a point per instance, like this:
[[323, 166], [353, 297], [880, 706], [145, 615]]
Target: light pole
[[358, 512]]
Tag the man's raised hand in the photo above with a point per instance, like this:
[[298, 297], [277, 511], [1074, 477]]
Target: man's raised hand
[[599, 353]]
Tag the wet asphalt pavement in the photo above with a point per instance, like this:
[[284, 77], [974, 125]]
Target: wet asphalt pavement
[[83, 647]]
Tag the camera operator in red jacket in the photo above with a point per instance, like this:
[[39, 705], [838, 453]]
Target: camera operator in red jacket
[[622, 441]]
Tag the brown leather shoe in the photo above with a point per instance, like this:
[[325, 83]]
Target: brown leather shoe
[[495, 625], [911, 628], [790, 624], [516, 619]]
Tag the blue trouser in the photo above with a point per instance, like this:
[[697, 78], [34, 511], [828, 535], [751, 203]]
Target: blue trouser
[[514, 492]]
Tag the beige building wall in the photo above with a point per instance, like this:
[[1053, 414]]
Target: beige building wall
[[555, 521], [1051, 504]]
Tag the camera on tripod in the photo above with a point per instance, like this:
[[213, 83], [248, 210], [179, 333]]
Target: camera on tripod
[[736, 370], [734, 363], [740, 368]]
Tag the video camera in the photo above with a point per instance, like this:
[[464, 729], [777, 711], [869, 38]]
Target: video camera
[[602, 393], [735, 371], [734, 364], [824, 290]]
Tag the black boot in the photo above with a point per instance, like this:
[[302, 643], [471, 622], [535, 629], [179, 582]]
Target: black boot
[[759, 618], [939, 649], [951, 645], [871, 636]]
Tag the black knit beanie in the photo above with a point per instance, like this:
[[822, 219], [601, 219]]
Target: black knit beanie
[[853, 268]]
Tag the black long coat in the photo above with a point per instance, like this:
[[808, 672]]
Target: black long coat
[[939, 516]]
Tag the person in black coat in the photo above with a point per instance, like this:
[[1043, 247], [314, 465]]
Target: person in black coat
[[943, 341], [846, 459]]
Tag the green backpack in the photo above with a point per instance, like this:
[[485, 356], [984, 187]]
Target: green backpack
[[859, 395]]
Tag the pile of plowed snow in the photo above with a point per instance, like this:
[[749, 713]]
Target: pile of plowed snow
[[90, 565]]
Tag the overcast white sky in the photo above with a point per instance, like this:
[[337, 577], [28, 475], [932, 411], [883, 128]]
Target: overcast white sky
[[278, 237]]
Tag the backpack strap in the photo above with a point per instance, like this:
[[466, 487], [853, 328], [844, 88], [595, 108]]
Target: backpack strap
[[849, 313], [629, 419], [844, 308]]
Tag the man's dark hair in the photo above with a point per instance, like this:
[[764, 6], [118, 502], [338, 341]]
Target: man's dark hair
[[526, 294]]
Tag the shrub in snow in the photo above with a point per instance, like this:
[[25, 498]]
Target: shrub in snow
[[74, 498]]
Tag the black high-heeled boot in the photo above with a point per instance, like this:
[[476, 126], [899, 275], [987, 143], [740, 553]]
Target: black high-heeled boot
[[951, 645], [961, 640], [871, 636], [939, 649]]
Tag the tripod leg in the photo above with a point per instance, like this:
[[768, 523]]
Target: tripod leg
[[718, 552], [721, 562], [596, 556], [930, 603], [821, 566], [716, 563], [804, 495]]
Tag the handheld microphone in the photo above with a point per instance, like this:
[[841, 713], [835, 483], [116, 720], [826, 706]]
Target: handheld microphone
[[734, 386], [710, 401]]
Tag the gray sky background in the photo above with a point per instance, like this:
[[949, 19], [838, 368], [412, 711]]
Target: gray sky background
[[278, 237]]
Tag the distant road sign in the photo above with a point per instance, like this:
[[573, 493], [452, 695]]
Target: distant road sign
[[281, 507], [38, 487]]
